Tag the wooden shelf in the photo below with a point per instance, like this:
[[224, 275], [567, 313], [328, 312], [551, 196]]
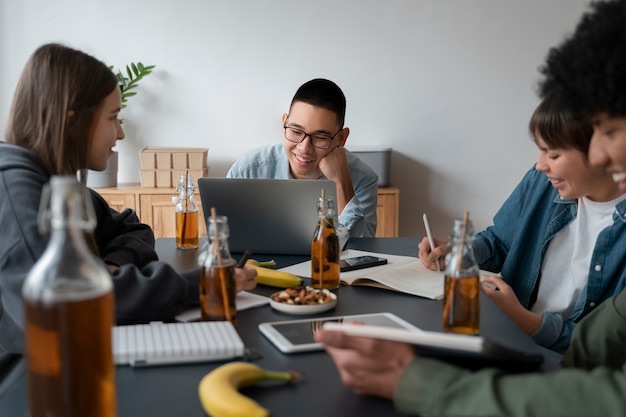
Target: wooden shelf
[[154, 207]]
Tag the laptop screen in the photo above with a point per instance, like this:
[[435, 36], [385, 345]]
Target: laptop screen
[[266, 216]]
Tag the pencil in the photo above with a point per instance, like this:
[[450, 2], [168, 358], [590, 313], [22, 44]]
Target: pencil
[[244, 259], [431, 240]]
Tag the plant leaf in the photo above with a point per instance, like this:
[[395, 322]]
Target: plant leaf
[[134, 73]]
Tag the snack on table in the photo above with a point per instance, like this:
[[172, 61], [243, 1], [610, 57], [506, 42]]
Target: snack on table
[[303, 296]]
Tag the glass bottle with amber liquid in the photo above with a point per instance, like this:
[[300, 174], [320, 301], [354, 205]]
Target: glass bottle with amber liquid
[[218, 287], [461, 306], [186, 214], [325, 246], [69, 312]]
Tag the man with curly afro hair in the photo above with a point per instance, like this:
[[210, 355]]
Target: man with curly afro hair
[[588, 70]]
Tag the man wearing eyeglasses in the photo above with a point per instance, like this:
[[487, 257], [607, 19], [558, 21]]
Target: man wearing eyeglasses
[[313, 148]]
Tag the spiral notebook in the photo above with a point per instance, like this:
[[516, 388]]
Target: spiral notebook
[[170, 343]]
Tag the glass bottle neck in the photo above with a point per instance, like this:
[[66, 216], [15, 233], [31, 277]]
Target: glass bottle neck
[[326, 208], [69, 206], [68, 269], [460, 260], [218, 250]]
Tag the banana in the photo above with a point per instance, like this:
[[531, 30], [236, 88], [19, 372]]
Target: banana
[[265, 264], [219, 395], [273, 278]]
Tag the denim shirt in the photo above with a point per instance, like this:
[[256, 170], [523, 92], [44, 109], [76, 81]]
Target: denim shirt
[[358, 216], [517, 241]]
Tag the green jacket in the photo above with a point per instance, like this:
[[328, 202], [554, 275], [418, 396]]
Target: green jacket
[[591, 383]]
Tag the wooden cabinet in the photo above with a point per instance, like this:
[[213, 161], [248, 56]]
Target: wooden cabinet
[[154, 207], [158, 211], [388, 212], [120, 201]]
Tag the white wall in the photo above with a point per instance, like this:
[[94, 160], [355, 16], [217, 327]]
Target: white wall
[[448, 85]]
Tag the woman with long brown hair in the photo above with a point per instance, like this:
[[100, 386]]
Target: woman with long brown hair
[[64, 121]]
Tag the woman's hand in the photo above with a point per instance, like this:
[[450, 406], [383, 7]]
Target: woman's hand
[[503, 296], [369, 366], [246, 278], [429, 257]]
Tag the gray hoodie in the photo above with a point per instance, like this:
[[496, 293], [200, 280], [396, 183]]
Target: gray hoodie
[[145, 289]]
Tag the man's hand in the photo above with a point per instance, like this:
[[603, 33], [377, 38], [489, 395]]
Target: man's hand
[[334, 166], [369, 366]]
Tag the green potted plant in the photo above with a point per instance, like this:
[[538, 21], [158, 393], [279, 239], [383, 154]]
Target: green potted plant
[[130, 80], [127, 82]]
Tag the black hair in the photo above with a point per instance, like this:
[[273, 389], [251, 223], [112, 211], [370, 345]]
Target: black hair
[[323, 93], [559, 126], [589, 68]]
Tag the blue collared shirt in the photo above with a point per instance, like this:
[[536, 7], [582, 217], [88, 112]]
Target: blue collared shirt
[[516, 243], [358, 216]]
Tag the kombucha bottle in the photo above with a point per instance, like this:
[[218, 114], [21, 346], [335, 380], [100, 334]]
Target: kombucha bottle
[[218, 287], [69, 312], [461, 307], [325, 246], [186, 214]]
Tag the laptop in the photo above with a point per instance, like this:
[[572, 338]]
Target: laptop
[[266, 216]]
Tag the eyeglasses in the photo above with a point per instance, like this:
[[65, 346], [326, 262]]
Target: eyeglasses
[[320, 141]]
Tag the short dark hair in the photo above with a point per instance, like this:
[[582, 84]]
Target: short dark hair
[[560, 126], [589, 68], [323, 93]]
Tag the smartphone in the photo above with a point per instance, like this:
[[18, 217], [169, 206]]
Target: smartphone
[[360, 262]]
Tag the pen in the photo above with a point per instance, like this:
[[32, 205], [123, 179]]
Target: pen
[[244, 259], [431, 241]]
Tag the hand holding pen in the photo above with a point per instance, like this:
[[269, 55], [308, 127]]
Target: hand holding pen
[[430, 250], [244, 258], [245, 276]]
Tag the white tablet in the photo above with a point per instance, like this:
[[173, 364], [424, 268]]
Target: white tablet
[[469, 349], [297, 335]]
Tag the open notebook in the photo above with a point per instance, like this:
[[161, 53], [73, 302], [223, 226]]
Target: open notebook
[[168, 343], [401, 273]]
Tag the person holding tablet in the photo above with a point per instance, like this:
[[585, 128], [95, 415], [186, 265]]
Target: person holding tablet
[[587, 70], [313, 148]]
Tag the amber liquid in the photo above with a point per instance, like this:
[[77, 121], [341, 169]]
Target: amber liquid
[[70, 368], [187, 230], [461, 307], [212, 292], [325, 257]]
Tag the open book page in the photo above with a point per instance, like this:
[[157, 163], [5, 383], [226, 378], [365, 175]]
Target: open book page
[[402, 273]]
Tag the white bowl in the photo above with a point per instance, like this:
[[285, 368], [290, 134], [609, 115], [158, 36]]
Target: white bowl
[[303, 309]]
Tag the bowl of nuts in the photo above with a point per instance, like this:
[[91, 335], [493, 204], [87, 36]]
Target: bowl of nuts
[[303, 300]]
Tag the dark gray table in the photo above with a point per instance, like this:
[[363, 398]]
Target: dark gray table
[[172, 390]]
